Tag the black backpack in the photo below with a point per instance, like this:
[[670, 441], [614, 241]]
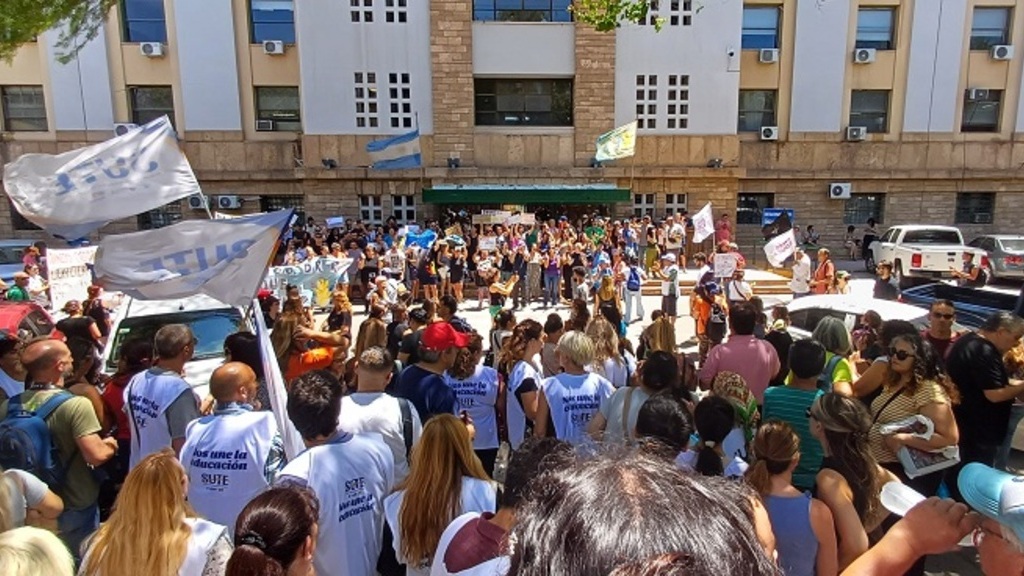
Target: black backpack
[[716, 323]]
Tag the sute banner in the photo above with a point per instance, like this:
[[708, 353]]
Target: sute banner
[[315, 279]]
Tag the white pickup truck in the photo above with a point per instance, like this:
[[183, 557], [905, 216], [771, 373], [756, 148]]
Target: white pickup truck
[[922, 252]]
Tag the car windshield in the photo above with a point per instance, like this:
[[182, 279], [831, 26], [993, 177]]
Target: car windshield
[[932, 237], [210, 328], [12, 255], [1012, 244]]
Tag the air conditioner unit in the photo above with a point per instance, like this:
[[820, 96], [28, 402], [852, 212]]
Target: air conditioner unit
[[124, 128], [152, 49], [230, 202], [197, 202], [768, 55], [863, 55], [1001, 52], [769, 132], [975, 94], [856, 133], [273, 47], [264, 125], [840, 190]]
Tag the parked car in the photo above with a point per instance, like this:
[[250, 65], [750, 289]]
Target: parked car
[[27, 320], [922, 252], [11, 254], [1005, 255], [211, 322], [806, 312]]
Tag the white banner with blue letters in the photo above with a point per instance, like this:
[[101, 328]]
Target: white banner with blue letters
[[224, 259], [72, 194]]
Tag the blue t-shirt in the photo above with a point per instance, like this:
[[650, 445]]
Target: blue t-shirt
[[427, 392]]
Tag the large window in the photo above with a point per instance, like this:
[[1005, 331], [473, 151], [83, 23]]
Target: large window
[[757, 109], [522, 10], [274, 203], [760, 27], [675, 204], [643, 205], [371, 210], [24, 109], [163, 216], [975, 207], [272, 20], [750, 207], [404, 208], [515, 102], [143, 21], [151, 102], [875, 28], [280, 105], [981, 111], [990, 27], [861, 207], [870, 109]]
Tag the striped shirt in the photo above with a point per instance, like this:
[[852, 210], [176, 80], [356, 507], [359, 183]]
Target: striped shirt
[[790, 405], [905, 406]]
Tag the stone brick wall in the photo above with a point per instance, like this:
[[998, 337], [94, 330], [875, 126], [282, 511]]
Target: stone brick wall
[[593, 89], [451, 56]]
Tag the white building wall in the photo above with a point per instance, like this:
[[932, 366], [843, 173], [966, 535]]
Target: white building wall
[[205, 45], [937, 48], [510, 49], [80, 89], [701, 51], [333, 48], [819, 65]]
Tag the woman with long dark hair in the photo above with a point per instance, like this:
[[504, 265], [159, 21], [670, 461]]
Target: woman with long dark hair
[[275, 534], [714, 418]]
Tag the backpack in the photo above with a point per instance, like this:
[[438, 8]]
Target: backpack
[[825, 380], [26, 442], [716, 323], [633, 282]]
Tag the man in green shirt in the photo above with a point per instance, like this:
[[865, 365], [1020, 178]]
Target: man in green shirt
[[19, 292], [790, 404], [75, 431]]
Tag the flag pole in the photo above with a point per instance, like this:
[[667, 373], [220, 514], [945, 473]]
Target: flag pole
[[632, 164], [423, 167]]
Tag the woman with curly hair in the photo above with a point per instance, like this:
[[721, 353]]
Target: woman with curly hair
[[153, 529], [850, 480], [609, 360], [914, 386], [517, 360], [445, 481], [477, 388]]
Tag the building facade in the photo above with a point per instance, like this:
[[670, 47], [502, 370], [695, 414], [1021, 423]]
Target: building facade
[[843, 110]]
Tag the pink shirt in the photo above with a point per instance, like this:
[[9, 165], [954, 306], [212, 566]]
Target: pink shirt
[[723, 231], [753, 359]]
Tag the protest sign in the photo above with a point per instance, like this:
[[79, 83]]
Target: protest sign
[[70, 273], [335, 222], [725, 265], [315, 279], [489, 243]]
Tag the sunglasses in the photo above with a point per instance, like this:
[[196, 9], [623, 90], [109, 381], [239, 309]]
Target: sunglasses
[[900, 354], [943, 316]]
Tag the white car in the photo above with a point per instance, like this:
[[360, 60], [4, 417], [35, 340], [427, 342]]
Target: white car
[[923, 252], [211, 322], [806, 312]]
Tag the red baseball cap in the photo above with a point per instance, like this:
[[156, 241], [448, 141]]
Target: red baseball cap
[[441, 336]]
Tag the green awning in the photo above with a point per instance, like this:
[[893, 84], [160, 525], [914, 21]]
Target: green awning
[[526, 194]]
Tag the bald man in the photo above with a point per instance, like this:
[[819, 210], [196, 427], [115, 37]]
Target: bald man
[[74, 430], [233, 454]]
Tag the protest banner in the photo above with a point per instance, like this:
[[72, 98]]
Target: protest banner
[[725, 265], [489, 243], [780, 248], [335, 222], [315, 279], [70, 272]]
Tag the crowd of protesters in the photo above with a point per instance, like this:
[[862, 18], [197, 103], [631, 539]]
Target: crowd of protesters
[[435, 448]]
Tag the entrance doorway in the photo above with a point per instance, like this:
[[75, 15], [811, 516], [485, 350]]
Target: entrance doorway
[[573, 212]]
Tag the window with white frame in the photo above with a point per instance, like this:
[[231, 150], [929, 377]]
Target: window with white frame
[[395, 11], [371, 210], [400, 95], [362, 10], [678, 97], [643, 205], [366, 99], [163, 216], [646, 101], [404, 208], [672, 12], [675, 204]]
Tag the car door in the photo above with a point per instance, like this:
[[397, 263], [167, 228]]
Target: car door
[[885, 246]]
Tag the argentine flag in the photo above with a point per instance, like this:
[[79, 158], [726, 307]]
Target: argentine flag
[[396, 153]]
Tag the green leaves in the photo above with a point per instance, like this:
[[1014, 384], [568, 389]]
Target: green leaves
[[22, 21], [607, 15]]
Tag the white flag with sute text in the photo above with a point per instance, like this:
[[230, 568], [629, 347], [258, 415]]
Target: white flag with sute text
[[72, 194], [224, 259], [703, 224], [780, 248]]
